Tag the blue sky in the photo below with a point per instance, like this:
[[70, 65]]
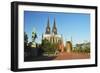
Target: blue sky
[[75, 25]]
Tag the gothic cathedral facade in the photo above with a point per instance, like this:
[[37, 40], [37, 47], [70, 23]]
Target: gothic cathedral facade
[[51, 34]]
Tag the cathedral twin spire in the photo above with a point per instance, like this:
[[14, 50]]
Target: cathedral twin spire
[[54, 29], [48, 27]]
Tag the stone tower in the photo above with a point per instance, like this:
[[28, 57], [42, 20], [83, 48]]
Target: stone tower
[[54, 29], [68, 46], [48, 27]]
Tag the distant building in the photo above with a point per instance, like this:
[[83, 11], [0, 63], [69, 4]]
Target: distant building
[[68, 46], [83, 45], [52, 35]]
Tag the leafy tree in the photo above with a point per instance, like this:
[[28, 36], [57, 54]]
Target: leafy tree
[[83, 47], [48, 47], [34, 36], [25, 39]]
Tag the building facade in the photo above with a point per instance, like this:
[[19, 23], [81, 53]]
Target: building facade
[[51, 34]]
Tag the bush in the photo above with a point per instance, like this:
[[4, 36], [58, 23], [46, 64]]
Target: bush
[[48, 47]]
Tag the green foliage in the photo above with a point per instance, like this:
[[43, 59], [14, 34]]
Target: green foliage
[[85, 48], [48, 47], [25, 40], [34, 36], [25, 37]]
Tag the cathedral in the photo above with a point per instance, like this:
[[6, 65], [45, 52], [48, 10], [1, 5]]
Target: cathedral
[[51, 34]]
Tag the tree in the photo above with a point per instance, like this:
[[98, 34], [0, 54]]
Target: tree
[[83, 47], [34, 36], [48, 47], [25, 39]]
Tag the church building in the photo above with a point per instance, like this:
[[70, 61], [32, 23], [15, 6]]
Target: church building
[[51, 34]]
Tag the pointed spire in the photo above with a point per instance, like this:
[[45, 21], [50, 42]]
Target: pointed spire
[[48, 27], [54, 30], [71, 39], [54, 23], [48, 23]]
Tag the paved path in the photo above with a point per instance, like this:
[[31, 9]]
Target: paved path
[[61, 56], [72, 55]]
